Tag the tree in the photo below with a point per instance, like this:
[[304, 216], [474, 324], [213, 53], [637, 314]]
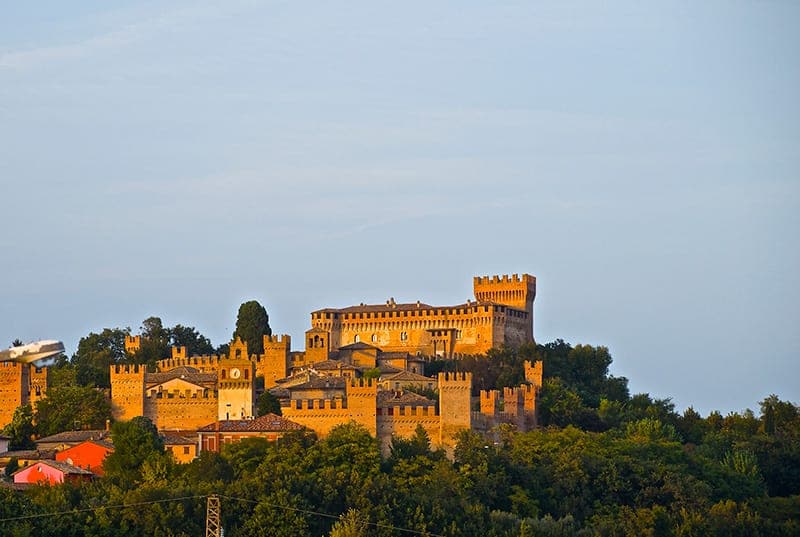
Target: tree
[[155, 342], [135, 441], [72, 407], [189, 337], [350, 524], [268, 403], [96, 352], [21, 428], [252, 324]]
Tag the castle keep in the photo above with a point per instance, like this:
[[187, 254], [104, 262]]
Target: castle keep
[[501, 314]]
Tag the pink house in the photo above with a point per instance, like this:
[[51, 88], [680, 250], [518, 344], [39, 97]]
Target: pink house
[[47, 471]]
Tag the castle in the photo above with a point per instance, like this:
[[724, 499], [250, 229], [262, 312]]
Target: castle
[[363, 363]]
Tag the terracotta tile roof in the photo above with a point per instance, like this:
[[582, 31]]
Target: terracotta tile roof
[[189, 374], [402, 398], [386, 369], [61, 466], [407, 376], [329, 365], [74, 437], [262, 424], [176, 440], [320, 383], [30, 454]]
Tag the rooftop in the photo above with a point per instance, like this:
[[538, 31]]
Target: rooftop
[[266, 423], [74, 437]]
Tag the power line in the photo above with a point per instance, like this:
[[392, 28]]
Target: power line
[[99, 508], [167, 500], [328, 515]]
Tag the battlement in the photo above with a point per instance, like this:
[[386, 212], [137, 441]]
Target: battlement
[[490, 402], [318, 404], [133, 344], [128, 369], [283, 339], [455, 379], [534, 372], [204, 363], [407, 410], [179, 352], [505, 278], [363, 383]]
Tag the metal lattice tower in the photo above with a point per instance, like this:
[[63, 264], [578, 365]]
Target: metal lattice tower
[[213, 526]]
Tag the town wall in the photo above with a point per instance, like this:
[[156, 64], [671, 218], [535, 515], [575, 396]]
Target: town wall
[[178, 413]]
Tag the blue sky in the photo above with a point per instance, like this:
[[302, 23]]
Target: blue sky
[[643, 161]]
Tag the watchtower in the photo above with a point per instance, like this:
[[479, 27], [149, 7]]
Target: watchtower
[[516, 291], [133, 344], [127, 391], [275, 362], [362, 398], [455, 390]]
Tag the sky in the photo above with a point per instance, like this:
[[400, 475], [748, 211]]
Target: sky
[[642, 160]]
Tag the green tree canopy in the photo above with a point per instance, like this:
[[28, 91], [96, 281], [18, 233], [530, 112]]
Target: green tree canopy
[[70, 408], [252, 324], [96, 352], [21, 428], [135, 442]]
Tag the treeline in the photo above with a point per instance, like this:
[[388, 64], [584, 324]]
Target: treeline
[[605, 463]]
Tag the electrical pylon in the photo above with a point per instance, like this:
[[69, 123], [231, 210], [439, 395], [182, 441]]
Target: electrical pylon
[[213, 526]]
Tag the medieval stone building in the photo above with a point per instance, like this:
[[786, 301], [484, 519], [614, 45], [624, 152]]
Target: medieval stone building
[[20, 384], [363, 363]]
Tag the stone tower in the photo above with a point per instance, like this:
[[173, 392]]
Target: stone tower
[[362, 397], [127, 387], [235, 383], [455, 391], [275, 362], [516, 291]]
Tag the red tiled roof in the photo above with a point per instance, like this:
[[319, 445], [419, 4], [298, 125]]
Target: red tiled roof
[[262, 424]]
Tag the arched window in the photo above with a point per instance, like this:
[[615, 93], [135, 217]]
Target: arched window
[[374, 338], [403, 336], [222, 374], [356, 339]]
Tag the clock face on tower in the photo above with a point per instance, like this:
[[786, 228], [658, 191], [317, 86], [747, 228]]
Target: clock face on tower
[[235, 373]]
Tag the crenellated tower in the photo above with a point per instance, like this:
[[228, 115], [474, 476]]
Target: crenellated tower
[[133, 344], [127, 389], [276, 361], [516, 291], [362, 396], [455, 391]]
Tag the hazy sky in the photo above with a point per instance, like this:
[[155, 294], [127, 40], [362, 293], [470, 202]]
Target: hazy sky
[[643, 161]]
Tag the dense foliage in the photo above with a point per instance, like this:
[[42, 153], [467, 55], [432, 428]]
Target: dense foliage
[[252, 324], [606, 463]]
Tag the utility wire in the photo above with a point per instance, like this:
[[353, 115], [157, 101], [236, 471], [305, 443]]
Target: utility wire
[[328, 515], [167, 500], [99, 508]]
